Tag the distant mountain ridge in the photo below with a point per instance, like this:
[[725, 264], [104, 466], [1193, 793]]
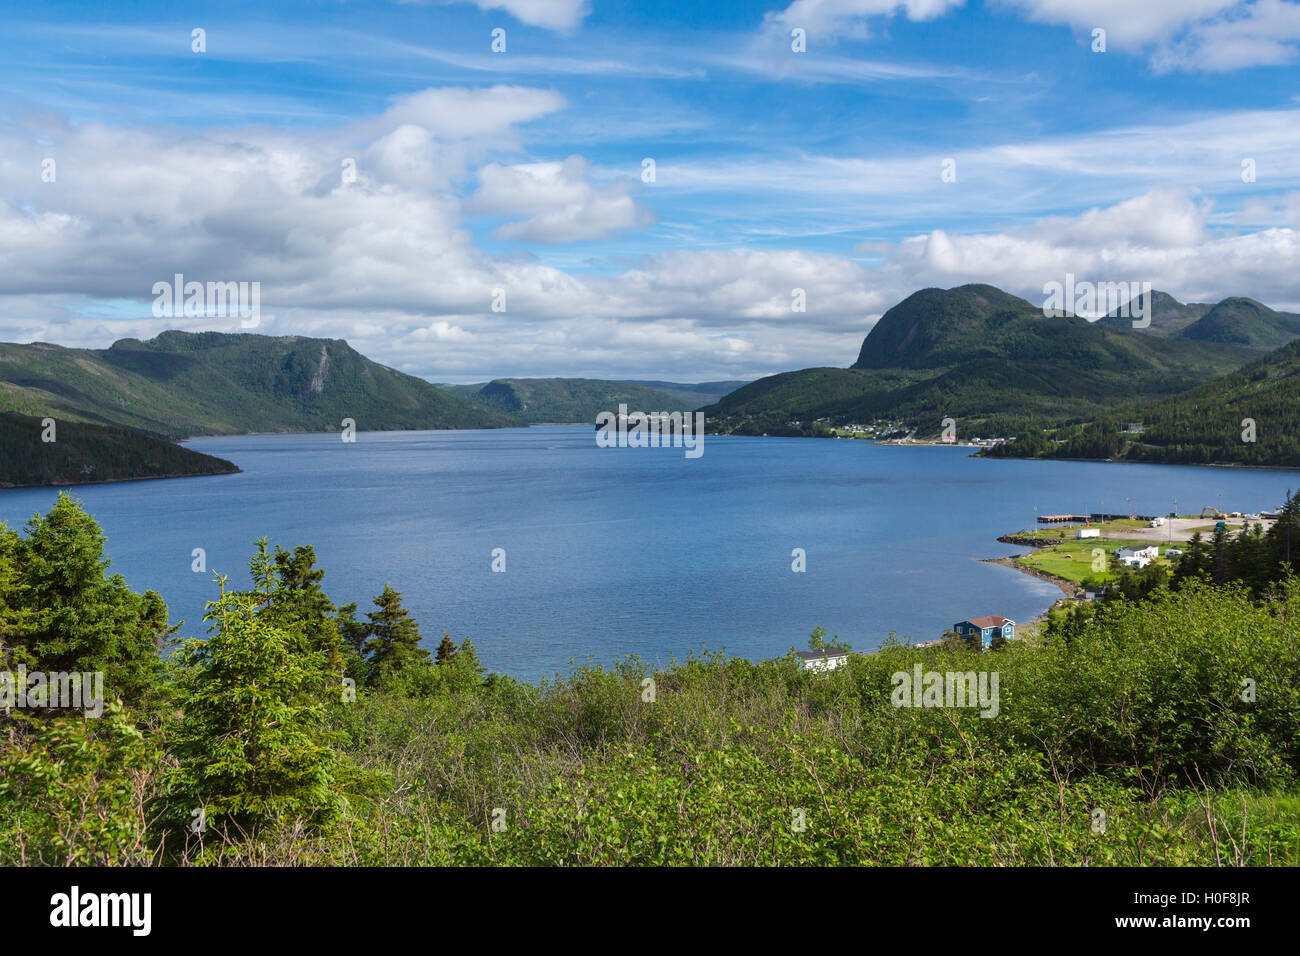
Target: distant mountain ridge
[[702, 393], [580, 400], [1234, 321], [1169, 317], [182, 384], [988, 359], [118, 410]]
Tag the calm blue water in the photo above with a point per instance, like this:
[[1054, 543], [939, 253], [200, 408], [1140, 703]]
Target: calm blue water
[[613, 551]]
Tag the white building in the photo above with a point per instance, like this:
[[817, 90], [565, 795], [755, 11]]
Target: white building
[[1150, 552], [826, 659], [1137, 557], [1088, 533]]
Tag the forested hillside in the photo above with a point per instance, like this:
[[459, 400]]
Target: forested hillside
[[1250, 417], [81, 453], [1235, 321], [117, 408]]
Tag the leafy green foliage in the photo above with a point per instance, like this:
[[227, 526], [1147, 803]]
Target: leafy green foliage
[[75, 791]]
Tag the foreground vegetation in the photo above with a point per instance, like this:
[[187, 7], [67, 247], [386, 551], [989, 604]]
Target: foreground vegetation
[[1160, 731]]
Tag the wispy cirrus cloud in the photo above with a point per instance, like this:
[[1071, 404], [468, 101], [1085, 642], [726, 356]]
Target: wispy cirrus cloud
[[1191, 35], [561, 15]]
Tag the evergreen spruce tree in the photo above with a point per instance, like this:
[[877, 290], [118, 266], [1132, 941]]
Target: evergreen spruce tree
[[467, 658], [304, 607], [1219, 568], [66, 614], [249, 746], [352, 632], [446, 649], [1283, 538], [394, 645]]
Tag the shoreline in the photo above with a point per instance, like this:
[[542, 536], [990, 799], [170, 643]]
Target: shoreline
[[1069, 589], [118, 481], [1125, 461], [895, 443]]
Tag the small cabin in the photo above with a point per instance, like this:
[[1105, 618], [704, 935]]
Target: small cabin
[[826, 659], [1088, 533], [985, 630]]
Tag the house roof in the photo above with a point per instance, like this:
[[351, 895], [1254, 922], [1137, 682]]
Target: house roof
[[993, 620], [819, 655]]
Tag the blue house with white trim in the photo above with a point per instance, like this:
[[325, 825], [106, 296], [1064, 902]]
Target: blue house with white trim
[[986, 629]]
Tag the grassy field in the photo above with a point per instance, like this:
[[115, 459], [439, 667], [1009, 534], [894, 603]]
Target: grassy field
[[1062, 533], [1072, 559]]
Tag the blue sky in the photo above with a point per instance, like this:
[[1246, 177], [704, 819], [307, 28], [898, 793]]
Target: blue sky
[[522, 170]]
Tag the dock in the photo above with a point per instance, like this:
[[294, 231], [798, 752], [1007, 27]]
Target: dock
[[1095, 518]]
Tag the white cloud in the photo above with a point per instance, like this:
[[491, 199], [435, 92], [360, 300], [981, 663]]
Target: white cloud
[[826, 16], [1210, 35], [460, 113], [563, 206], [1177, 254], [388, 263], [562, 15]]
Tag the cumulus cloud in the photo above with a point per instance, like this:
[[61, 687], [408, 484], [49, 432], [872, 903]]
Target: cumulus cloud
[[562, 204], [386, 260], [1160, 237]]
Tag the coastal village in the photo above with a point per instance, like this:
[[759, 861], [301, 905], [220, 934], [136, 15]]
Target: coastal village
[[1068, 547], [1066, 552]]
